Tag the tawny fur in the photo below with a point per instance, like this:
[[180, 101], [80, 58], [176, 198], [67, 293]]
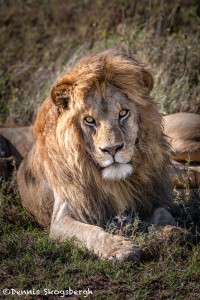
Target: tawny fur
[[60, 163]]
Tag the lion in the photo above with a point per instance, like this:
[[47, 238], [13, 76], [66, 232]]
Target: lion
[[99, 150]]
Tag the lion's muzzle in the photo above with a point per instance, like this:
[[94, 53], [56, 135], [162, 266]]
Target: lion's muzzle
[[112, 149], [115, 161], [117, 171]]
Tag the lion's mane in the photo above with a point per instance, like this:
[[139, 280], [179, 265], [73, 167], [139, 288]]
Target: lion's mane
[[71, 172]]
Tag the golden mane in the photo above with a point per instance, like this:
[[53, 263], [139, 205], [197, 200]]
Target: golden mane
[[70, 171], [113, 67]]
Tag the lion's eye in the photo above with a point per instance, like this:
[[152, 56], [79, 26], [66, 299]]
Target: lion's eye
[[123, 113], [89, 120]]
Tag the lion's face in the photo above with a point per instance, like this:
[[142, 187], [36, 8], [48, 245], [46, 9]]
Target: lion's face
[[109, 128], [98, 101]]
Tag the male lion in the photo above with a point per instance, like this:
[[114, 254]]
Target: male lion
[[99, 150]]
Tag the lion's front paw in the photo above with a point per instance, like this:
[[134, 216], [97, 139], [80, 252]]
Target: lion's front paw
[[121, 249]]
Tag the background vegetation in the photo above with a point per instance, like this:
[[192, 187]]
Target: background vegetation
[[39, 40]]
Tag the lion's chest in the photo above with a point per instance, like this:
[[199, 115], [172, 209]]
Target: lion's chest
[[118, 195]]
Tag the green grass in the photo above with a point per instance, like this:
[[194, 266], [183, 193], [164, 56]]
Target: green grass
[[30, 260]]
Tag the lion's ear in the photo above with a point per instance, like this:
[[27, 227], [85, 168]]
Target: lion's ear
[[60, 96], [147, 80]]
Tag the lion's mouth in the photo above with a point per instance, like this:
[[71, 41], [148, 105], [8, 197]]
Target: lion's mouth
[[117, 171]]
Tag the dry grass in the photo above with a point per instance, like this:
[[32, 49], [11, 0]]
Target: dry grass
[[38, 39]]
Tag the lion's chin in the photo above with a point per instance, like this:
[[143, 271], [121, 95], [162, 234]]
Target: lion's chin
[[117, 171]]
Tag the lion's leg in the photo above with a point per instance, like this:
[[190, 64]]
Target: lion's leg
[[162, 217], [94, 238]]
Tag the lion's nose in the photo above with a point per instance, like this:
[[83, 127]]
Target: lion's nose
[[112, 150]]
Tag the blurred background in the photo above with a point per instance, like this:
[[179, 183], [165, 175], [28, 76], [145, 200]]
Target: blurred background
[[40, 39]]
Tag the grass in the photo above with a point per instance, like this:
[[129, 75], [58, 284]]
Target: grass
[[31, 261], [40, 39]]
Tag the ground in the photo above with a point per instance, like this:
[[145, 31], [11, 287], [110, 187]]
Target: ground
[[39, 39]]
